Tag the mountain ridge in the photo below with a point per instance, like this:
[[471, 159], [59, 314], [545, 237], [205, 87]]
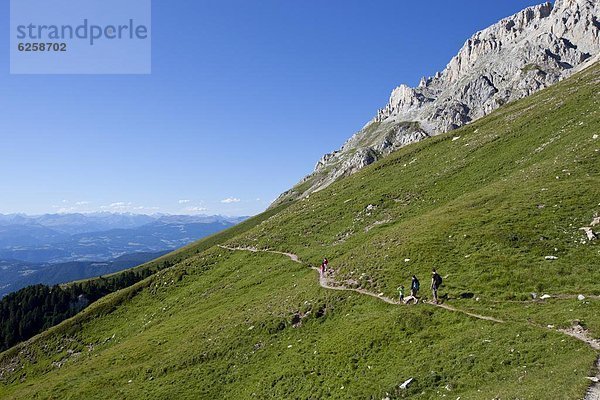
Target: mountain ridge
[[513, 58]]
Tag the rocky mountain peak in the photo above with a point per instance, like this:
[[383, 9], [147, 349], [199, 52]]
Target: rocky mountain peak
[[494, 39], [513, 58]]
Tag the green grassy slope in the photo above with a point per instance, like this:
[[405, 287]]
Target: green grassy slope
[[221, 327], [486, 209], [113, 300], [485, 205]]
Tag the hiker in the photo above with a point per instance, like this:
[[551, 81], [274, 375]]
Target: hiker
[[322, 268], [436, 282], [414, 286], [325, 263], [401, 293], [414, 289]]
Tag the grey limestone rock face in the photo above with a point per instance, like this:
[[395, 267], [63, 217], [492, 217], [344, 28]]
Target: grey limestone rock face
[[511, 59]]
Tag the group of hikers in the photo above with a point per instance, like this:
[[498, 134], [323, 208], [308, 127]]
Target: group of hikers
[[436, 282]]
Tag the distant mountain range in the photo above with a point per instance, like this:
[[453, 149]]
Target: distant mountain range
[[55, 248]]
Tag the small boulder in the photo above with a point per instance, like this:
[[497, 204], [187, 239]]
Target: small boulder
[[406, 383], [546, 296], [551, 258], [581, 297]]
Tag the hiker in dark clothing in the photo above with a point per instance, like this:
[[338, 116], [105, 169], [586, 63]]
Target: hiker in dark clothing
[[414, 289], [325, 263], [414, 286], [436, 282]]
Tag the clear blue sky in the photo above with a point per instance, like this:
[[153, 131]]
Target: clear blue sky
[[243, 99]]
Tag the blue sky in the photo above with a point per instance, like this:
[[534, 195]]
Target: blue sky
[[244, 97]]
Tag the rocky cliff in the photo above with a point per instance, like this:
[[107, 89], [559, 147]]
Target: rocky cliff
[[511, 59]]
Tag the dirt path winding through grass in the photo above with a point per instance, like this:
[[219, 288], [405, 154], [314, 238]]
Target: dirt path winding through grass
[[593, 392], [327, 283]]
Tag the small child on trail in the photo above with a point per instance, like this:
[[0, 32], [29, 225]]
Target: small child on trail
[[401, 293], [436, 282]]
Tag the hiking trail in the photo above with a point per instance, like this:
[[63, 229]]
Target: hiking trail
[[577, 332], [327, 284]]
